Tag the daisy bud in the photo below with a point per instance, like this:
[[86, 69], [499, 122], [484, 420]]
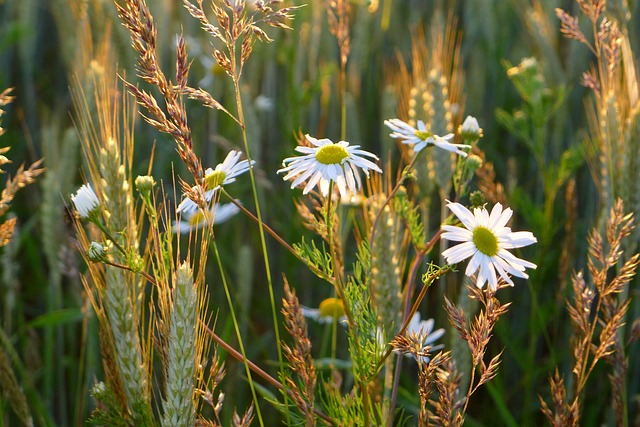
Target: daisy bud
[[469, 129], [476, 199], [96, 252], [473, 162], [86, 202], [144, 184]]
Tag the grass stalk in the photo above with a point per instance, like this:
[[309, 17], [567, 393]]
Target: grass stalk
[[263, 243], [238, 334]]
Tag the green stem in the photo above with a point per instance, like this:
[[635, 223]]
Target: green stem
[[238, 334], [110, 237], [336, 266], [337, 274], [263, 243], [343, 102]]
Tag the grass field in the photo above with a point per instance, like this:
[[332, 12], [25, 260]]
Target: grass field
[[350, 213]]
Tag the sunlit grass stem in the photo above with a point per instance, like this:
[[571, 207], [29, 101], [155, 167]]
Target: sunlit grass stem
[[263, 243]]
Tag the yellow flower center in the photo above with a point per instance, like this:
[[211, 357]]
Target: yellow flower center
[[214, 179], [331, 154], [485, 241], [331, 307], [422, 134]]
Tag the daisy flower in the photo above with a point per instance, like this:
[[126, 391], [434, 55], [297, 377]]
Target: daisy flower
[[420, 332], [194, 220], [423, 330], [223, 174], [330, 310], [485, 240], [417, 326], [421, 137], [86, 202], [327, 161]]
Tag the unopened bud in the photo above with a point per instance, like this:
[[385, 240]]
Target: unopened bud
[[144, 184], [469, 129], [96, 252]]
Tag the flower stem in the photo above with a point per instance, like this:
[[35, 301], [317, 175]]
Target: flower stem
[[254, 190]]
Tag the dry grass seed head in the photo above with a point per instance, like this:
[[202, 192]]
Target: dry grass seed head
[[457, 319], [245, 420], [570, 27], [137, 18], [562, 414], [299, 356], [22, 178], [446, 410], [580, 311], [338, 15]]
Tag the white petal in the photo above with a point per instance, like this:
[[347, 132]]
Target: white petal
[[518, 239], [463, 215], [434, 336], [324, 187], [459, 252], [474, 264], [456, 234], [516, 262]]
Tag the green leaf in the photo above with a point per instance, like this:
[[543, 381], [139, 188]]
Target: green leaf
[[57, 317]]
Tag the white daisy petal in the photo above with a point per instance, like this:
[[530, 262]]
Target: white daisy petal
[[463, 214], [456, 234], [474, 264], [519, 239], [457, 253], [503, 265], [317, 177], [193, 220], [86, 201], [495, 216], [520, 264], [434, 336]]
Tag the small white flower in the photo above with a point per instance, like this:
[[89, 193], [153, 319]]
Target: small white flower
[[421, 137], [224, 173], [86, 201], [485, 240], [422, 330], [194, 220], [330, 310], [470, 129], [425, 327], [327, 161]]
